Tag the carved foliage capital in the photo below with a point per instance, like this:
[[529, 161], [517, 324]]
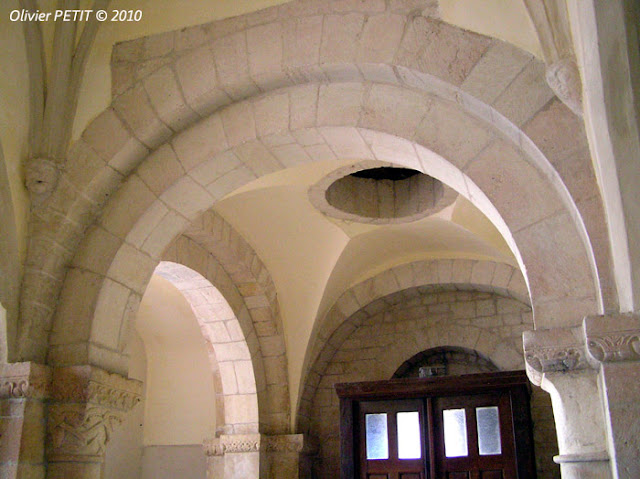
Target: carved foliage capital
[[613, 338], [550, 351], [91, 385], [88, 403], [24, 380], [79, 432]]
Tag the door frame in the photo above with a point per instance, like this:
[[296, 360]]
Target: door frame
[[515, 383]]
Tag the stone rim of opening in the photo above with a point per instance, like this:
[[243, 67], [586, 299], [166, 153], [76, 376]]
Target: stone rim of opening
[[346, 196]]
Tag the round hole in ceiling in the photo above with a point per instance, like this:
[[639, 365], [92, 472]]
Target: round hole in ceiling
[[380, 195]]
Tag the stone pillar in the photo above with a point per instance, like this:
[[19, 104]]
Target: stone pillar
[[215, 458], [287, 456], [87, 403], [557, 361], [24, 387], [257, 456], [613, 344]]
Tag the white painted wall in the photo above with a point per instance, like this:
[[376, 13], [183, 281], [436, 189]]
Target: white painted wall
[[162, 437]]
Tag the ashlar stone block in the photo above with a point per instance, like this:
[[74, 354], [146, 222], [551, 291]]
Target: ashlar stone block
[[136, 111], [340, 37], [166, 98], [197, 75], [200, 142]]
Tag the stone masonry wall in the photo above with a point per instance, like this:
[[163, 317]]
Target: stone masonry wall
[[419, 319]]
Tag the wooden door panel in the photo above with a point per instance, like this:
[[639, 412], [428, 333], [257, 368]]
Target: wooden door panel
[[475, 465], [458, 475], [513, 459], [392, 466]]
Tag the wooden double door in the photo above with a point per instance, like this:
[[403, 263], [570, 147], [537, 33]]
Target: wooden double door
[[442, 432]]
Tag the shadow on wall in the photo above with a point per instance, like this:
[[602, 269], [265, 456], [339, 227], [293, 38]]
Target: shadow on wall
[[10, 267], [162, 437]]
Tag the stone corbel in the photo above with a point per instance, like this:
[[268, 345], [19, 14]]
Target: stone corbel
[[563, 77], [612, 338], [41, 178], [553, 351], [551, 22], [87, 404], [24, 380]]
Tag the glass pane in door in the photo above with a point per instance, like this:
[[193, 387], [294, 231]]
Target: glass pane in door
[[376, 436], [455, 433], [409, 445], [488, 423]]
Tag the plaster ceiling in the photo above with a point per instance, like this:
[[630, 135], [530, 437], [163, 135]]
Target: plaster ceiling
[[314, 258]]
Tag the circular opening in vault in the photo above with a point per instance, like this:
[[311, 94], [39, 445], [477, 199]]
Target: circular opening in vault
[[386, 173], [385, 193]]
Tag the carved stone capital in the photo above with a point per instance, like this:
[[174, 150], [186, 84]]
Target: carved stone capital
[[612, 338], [88, 403], [552, 351], [79, 432], [91, 385], [563, 77], [24, 380], [41, 177]]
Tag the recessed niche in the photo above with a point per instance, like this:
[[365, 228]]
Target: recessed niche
[[382, 194]]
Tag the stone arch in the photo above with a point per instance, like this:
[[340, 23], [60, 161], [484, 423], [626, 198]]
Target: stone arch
[[169, 99], [366, 299], [168, 212], [247, 277], [230, 358], [139, 197], [448, 354], [393, 328]]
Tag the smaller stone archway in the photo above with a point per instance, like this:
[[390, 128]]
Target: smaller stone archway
[[231, 367], [236, 445], [445, 361], [392, 330]]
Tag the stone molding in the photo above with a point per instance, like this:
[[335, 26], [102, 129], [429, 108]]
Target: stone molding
[[24, 380], [238, 443], [612, 338], [88, 403], [241, 443], [600, 456]]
